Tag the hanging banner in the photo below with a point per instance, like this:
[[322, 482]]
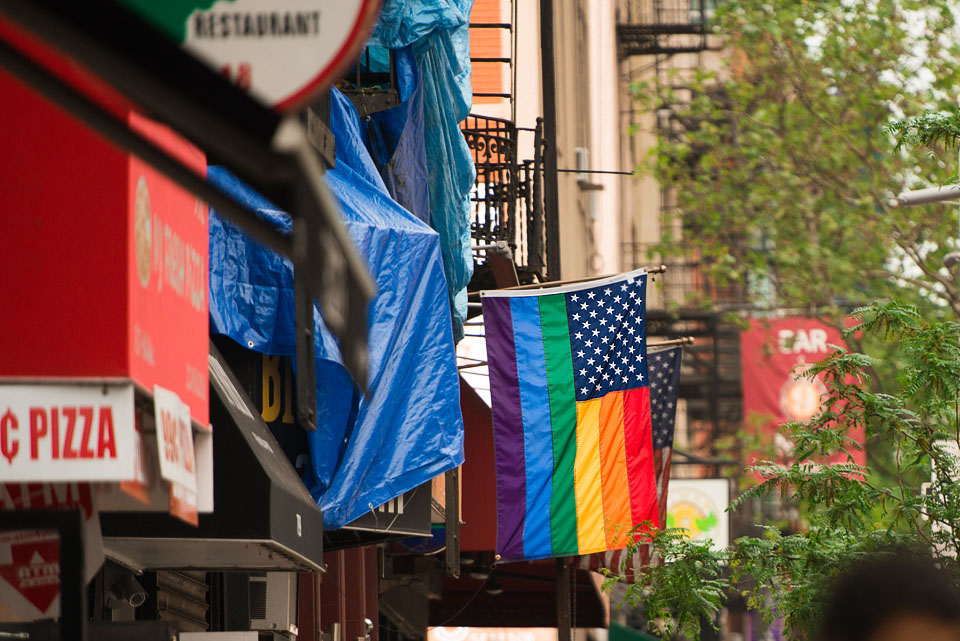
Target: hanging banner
[[66, 432], [773, 354], [282, 53]]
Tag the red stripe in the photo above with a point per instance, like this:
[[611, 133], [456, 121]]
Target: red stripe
[[638, 440], [663, 458]]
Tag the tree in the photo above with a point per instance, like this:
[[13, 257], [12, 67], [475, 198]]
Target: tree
[[850, 511], [783, 167], [784, 164]]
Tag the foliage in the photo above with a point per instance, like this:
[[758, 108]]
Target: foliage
[[851, 510], [928, 130], [784, 162]]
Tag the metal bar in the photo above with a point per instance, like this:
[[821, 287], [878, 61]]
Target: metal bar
[[686, 340], [551, 188], [97, 118], [487, 94], [535, 236], [659, 269], [452, 514], [491, 25], [563, 599], [503, 60], [925, 196]]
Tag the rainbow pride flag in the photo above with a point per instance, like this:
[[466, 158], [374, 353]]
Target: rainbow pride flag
[[571, 416]]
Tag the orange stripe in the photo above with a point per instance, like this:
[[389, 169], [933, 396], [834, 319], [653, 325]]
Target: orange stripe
[[613, 471]]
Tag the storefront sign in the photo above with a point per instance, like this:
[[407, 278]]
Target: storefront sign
[[167, 275], [30, 559], [66, 432], [699, 506], [109, 267], [174, 438], [774, 356], [177, 454], [282, 53]]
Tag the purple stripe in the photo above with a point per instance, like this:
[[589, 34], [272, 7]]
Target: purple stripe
[[507, 427]]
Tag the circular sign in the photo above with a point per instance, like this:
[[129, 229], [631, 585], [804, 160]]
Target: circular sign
[[284, 52]]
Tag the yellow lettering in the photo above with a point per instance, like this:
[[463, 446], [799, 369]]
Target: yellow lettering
[[270, 407]]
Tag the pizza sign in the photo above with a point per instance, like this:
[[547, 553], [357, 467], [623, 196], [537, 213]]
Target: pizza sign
[[63, 432], [282, 53]]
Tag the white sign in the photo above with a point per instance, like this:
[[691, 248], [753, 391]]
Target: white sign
[[62, 432], [174, 438], [699, 507], [282, 51]]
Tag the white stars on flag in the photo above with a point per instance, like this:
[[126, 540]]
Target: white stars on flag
[[608, 339]]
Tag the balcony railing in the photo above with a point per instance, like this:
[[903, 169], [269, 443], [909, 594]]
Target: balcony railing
[[507, 197], [647, 27]]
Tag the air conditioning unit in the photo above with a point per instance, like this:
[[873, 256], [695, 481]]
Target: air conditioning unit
[[583, 164], [273, 602]]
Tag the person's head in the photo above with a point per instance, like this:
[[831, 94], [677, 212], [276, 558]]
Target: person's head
[[897, 596]]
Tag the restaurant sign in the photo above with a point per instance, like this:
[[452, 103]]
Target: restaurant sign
[[62, 432], [284, 54]]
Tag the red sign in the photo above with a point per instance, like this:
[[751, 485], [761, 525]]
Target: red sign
[[104, 260], [773, 353], [30, 559], [34, 568]]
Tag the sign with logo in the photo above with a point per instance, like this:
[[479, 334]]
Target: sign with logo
[[167, 275], [30, 559], [774, 356], [136, 312], [283, 53], [699, 507], [66, 432]]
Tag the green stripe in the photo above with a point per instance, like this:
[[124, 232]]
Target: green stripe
[[563, 421]]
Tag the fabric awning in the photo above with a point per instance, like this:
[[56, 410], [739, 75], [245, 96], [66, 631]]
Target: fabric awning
[[264, 518]]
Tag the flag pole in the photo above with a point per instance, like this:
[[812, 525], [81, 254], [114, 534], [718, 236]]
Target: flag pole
[[563, 599], [686, 340], [656, 269]]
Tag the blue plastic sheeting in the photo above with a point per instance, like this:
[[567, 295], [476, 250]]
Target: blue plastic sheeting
[[366, 450], [438, 31], [396, 141]]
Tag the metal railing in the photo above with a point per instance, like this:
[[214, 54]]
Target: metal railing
[[507, 197], [647, 27]]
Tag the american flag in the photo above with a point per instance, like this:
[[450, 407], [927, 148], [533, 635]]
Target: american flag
[[664, 377], [607, 338]]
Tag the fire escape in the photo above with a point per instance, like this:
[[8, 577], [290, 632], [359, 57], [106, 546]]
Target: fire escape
[[507, 217], [673, 36]]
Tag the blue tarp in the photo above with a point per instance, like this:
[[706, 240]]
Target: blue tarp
[[366, 450], [396, 141], [438, 33]]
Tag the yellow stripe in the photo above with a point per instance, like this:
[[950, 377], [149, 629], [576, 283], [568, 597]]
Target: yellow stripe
[[586, 485]]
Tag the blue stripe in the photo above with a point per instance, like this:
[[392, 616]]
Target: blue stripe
[[537, 435]]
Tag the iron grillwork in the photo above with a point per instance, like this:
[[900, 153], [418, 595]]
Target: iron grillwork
[[649, 27], [507, 197]]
